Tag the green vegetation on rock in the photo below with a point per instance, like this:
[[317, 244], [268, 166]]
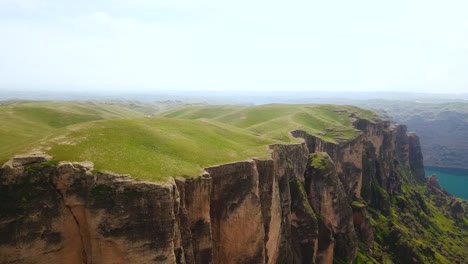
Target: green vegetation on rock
[[300, 196], [119, 138], [320, 161], [417, 226]]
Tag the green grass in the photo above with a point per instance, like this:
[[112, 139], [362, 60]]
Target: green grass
[[117, 137], [156, 148], [329, 122], [25, 123]]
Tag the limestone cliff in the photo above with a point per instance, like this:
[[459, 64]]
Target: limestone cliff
[[309, 203]]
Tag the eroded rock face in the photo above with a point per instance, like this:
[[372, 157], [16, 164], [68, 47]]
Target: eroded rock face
[[64, 214], [195, 220], [328, 198], [416, 158], [364, 229], [456, 209], [236, 214], [287, 209]]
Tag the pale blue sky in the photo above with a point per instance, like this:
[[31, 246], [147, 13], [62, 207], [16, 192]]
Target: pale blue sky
[[401, 45]]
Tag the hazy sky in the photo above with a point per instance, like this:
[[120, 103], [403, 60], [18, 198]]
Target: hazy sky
[[400, 45]]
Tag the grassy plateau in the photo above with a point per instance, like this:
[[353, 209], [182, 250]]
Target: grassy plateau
[[181, 142]]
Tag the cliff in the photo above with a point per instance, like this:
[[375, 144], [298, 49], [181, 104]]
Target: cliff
[[441, 125], [311, 202]]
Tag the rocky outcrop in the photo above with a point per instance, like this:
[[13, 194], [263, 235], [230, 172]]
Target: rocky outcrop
[[456, 210], [307, 204], [433, 182], [415, 158]]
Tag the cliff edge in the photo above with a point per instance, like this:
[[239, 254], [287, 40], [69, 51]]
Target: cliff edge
[[357, 200]]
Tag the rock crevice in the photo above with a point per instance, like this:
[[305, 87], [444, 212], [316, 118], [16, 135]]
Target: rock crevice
[[85, 254]]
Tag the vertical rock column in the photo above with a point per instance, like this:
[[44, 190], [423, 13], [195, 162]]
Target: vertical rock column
[[298, 232], [236, 214], [197, 194], [416, 158], [271, 208], [337, 238]]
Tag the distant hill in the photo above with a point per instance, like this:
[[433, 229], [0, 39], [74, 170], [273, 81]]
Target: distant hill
[[443, 128], [329, 122]]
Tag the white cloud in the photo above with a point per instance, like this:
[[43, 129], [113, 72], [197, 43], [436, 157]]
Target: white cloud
[[101, 17], [24, 5]]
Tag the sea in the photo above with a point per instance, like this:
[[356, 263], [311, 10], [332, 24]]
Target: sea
[[455, 181]]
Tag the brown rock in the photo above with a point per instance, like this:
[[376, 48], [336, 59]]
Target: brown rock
[[433, 182], [65, 214], [337, 238], [416, 158], [456, 210], [196, 195], [235, 201], [25, 159]]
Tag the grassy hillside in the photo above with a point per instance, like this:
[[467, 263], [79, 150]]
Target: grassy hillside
[[420, 224], [24, 123], [329, 122], [155, 148], [120, 137]]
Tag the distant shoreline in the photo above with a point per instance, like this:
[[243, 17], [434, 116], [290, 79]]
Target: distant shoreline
[[452, 170]]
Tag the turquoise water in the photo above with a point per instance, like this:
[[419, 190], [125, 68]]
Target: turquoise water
[[455, 181]]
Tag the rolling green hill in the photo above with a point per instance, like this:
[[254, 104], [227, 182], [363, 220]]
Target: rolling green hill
[[156, 148], [118, 138], [329, 122], [24, 123]]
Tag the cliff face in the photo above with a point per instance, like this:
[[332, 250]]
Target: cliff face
[[337, 238], [307, 204], [61, 213]]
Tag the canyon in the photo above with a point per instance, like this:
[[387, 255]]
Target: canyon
[[311, 202]]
